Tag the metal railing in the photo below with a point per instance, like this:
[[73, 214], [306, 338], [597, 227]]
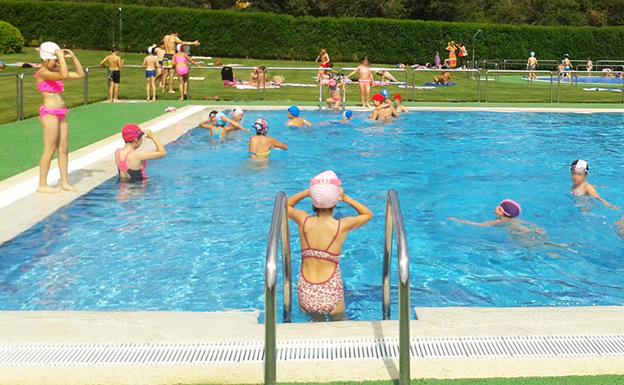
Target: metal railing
[[395, 226], [502, 72], [278, 231]]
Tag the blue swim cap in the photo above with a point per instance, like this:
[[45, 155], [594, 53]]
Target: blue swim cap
[[385, 93], [348, 114], [294, 111]]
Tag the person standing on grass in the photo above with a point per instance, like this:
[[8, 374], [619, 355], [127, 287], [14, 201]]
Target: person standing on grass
[[181, 62], [114, 63], [532, 66], [590, 66], [159, 51], [150, 63], [170, 43], [365, 80], [53, 112]]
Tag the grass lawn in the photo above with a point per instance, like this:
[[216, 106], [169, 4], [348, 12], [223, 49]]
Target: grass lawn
[[133, 86], [580, 380]]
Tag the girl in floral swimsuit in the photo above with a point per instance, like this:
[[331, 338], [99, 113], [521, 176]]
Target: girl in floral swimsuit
[[320, 288]]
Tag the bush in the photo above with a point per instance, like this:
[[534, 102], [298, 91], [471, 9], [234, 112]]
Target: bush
[[11, 39], [271, 36]]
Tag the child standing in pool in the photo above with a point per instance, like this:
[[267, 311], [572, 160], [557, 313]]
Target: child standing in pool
[[335, 99], [150, 63], [260, 146], [365, 80], [294, 120], [398, 104], [579, 170], [131, 162]]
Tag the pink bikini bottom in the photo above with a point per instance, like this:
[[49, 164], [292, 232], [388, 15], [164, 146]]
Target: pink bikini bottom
[[60, 113]]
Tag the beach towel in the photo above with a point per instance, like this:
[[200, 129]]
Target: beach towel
[[439, 85], [602, 89]]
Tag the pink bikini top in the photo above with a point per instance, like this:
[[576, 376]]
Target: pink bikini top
[[320, 254], [179, 60], [50, 86]]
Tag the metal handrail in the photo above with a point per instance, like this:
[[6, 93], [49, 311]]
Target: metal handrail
[[279, 231], [395, 226], [488, 72]]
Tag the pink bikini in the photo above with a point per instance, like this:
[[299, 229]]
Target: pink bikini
[[51, 87], [320, 298], [182, 71]]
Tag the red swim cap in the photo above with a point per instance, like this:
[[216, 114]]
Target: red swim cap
[[398, 97], [378, 98], [131, 132]]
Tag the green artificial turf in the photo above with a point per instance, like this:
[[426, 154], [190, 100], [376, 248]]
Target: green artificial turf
[[508, 89]]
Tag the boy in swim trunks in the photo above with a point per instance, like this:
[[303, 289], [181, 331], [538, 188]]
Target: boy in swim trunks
[[114, 63], [579, 170], [294, 120], [150, 63]]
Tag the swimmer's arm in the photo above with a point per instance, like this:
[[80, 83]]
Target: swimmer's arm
[[277, 144], [353, 72], [591, 191], [373, 116], [160, 152], [294, 214], [306, 123], [365, 214], [478, 224]]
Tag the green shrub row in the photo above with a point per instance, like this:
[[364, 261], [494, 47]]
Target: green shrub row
[[11, 40], [271, 36]]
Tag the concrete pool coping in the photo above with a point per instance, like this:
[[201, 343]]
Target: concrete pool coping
[[89, 171], [185, 327]]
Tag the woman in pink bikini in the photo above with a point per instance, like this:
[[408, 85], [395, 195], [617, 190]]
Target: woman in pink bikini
[[131, 162], [53, 113], [320, 287], [180, 60], [365, 80]]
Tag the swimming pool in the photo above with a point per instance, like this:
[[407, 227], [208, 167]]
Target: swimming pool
[[194, 238], [619, 82]]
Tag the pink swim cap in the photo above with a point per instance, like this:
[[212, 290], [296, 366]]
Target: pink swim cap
[[325, 190], [131, 132], [331, 83], [510, 208]]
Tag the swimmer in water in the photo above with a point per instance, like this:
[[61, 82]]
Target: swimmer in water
[[347, 116], [398, 104], [294, 120], [130, 160], [53, 112], [365, 80], [220, 125], [384, 110], [507, 213], [335, 99], [260, 146], [579, 170], [320, 288]]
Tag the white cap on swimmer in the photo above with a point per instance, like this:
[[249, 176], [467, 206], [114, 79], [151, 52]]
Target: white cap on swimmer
[[580, 166], [47, 50], [237, 111]]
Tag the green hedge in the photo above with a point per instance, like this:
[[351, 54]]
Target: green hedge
[[259, 35], [11, 40]]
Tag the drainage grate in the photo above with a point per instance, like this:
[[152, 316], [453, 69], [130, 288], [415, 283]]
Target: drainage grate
[[304, 350]]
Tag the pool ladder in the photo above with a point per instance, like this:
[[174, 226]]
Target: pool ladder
[[279, 232]]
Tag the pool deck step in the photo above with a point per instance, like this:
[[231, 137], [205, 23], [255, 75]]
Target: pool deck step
[[191, 347]]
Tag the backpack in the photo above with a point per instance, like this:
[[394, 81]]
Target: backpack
[[227, 74]]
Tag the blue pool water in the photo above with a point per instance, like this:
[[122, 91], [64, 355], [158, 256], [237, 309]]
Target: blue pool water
[[195, 237], [587, 80]]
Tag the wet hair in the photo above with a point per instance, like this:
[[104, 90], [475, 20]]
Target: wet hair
[[213, 113]]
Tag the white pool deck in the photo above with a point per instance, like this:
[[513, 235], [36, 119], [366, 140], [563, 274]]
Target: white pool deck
[[20, 208]]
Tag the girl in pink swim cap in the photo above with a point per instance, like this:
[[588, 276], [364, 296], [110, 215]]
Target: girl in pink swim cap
[[320, 288]]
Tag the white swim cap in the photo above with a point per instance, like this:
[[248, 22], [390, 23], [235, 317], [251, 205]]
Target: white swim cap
[[179, 48], [47, 50], [237, 111]]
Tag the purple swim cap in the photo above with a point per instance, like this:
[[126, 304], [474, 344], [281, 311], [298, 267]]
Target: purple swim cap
[[510, 208]]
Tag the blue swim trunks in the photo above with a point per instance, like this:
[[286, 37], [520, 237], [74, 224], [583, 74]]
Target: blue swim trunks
[[150, 73]]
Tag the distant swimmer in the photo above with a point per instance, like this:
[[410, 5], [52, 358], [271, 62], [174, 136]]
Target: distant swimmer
[[220, 125], [581, 187], [260, 146], [294, 119], [507, 213]]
